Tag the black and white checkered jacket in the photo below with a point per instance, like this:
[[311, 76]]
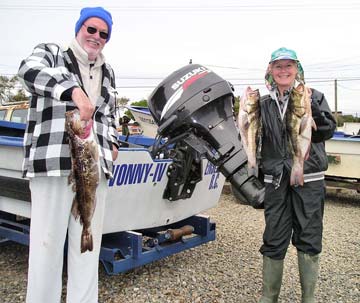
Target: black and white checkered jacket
[[46, 74]]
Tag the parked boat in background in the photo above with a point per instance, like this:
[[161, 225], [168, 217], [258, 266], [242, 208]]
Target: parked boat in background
[[143, 116], [343, 152], [350, 128]]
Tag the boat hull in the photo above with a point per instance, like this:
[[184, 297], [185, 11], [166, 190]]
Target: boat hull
[[134, 199], [144, 118], [344, 157]]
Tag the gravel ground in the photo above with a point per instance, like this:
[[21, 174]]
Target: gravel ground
[[227, 269]]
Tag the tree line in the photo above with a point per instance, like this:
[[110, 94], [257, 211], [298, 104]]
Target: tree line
[[11, 90]]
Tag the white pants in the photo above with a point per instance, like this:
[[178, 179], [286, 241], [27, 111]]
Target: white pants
[[51, 219]]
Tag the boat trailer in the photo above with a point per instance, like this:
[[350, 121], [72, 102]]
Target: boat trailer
[[123, 251]]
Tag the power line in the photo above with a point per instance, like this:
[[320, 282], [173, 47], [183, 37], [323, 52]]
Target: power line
[[308, 79], [246, 82], [282, 6], [349, 88]]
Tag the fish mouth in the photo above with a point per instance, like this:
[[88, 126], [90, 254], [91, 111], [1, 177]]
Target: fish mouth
[[76, 115], [86, 129], [80, 128]]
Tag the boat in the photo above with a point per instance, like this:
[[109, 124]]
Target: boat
[[161, 185], [135, 197], [343, 152], [175, 176], [146, 121]]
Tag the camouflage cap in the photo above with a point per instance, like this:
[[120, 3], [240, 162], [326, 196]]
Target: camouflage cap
[[283, 53]]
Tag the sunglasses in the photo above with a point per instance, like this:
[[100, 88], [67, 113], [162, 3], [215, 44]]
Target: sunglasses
[[93, 30]]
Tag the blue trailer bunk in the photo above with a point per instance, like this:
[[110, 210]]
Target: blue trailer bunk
[[124, 251], [121, 252]]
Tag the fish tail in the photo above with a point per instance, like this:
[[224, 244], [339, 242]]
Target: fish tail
[[86, 241], [297, 174]]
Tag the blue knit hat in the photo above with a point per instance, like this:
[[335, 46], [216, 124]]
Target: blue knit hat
[[98, 12]]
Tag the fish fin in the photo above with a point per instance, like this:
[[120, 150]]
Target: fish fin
[[246, 124], [70, 178], [243, 137], [94, 151], [307, 153], [251, 163], [93, 208], [303, 123], [86, 240], [243, 98], [75, 209], [313, 124], [253, 170], [242, 117], [243, 124]]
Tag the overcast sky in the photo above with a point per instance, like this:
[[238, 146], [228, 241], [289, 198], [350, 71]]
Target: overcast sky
[[151, 39]]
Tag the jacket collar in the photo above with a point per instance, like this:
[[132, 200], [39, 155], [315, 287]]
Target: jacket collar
[[82, 56]]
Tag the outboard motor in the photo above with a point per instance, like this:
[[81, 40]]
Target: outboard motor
[[193, 108]]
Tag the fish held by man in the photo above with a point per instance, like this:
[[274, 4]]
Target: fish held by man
[[84, 176], [249, 123], [300, 123]]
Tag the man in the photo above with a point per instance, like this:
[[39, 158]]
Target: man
[[292, 212], [59, 81], [125, 126]]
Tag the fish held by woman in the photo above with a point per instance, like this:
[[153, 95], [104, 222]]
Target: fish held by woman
[[299, 122], [84, 176], [249, 123]]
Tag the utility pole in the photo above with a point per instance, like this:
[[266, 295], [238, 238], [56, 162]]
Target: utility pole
[[336, 103]]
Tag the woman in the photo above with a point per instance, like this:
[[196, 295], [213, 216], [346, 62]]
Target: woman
[[292, 211]]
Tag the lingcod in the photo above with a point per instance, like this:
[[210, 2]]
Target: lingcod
[[249, 123], [84, 176], [299, 123]]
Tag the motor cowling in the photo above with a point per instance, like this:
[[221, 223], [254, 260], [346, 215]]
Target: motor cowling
[[195, 105]]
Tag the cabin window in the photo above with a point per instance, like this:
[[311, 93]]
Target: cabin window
[[19, 115]]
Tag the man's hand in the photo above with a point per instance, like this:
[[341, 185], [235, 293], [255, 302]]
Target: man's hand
[[83, 103]]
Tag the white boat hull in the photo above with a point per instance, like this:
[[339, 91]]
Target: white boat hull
[[344, 157], [146, 121], [135, 194]]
